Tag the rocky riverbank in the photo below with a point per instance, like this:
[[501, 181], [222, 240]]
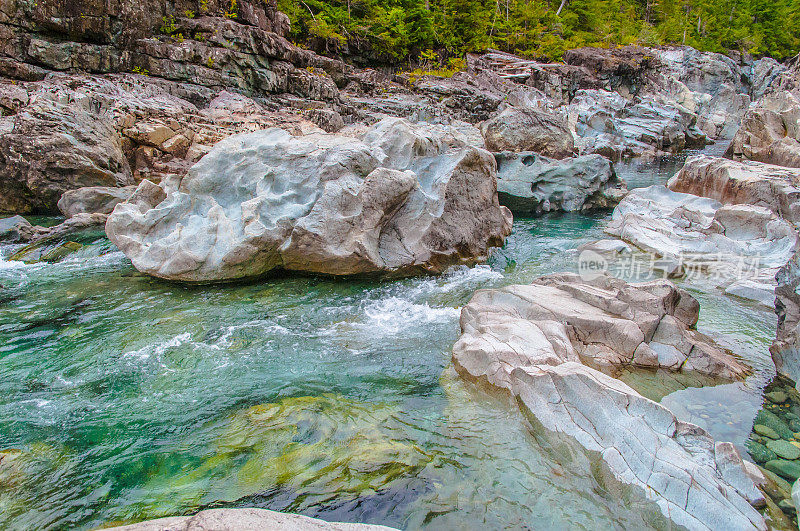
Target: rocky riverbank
[[209, 148]]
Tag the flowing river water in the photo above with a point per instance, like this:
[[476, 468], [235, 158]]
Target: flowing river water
[[125, 398]]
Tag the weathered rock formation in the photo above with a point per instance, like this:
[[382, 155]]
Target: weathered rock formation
[[210, 43], [529, 130], [536, 341], [529, 184], [770, 131], [240, 519], [740, 247], [69, 132], [785, 349], [751, 183], [608, 124], [402, 200]]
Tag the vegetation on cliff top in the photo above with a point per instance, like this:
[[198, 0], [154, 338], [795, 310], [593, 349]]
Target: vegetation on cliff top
[[402, 30]]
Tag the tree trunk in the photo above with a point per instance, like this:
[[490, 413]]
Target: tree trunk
[[563, 3]]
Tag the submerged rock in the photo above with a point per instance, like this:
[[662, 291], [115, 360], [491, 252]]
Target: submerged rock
[[532, 340], [16, 229], [527, 129], [529, 184], [93, 200], [56, 243], [406, 199], [246, 518]]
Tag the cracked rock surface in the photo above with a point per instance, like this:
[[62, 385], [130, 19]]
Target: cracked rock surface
[[739, 247], [754, 183], [539, 342], [402, 199]]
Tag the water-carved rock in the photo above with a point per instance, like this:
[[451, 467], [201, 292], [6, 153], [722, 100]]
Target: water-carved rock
[[402, 200]]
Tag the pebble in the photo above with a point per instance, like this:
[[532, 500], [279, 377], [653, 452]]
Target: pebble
[[787, 469], [777, 397], [787, 507], [759, 452], [771, 420], [784, 449], [766, 431]]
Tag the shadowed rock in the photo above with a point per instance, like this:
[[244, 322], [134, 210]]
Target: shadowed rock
[[526, 129], [529, 184]]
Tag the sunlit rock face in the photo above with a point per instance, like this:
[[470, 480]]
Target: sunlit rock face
[[403, 199], [740, 247], [540, 341], [745, 182]]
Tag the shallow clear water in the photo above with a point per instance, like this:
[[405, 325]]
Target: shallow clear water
[[130, 398]]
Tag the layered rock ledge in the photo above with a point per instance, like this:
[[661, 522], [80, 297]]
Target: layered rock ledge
[[535, 342]]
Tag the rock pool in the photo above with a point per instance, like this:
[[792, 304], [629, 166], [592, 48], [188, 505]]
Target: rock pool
[[125, 398]]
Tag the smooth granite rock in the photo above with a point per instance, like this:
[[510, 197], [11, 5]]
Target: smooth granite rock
[[529, 184], [16, 229], [405, 199], [93, 200]]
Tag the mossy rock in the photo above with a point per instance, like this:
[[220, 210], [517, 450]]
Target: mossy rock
[[789, 470], [766, 431], [771, 420], [784, 449], [777, 397], [759, 452], [303, 446]]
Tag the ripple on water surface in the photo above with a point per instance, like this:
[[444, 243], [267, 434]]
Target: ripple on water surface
[[125, 398]]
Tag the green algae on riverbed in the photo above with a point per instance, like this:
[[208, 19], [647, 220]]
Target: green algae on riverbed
[[330, 398]]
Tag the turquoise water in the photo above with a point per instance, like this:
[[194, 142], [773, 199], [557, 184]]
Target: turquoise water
[[125, 398]]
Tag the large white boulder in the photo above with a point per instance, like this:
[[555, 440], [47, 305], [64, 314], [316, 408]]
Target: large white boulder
[[403, 199]]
